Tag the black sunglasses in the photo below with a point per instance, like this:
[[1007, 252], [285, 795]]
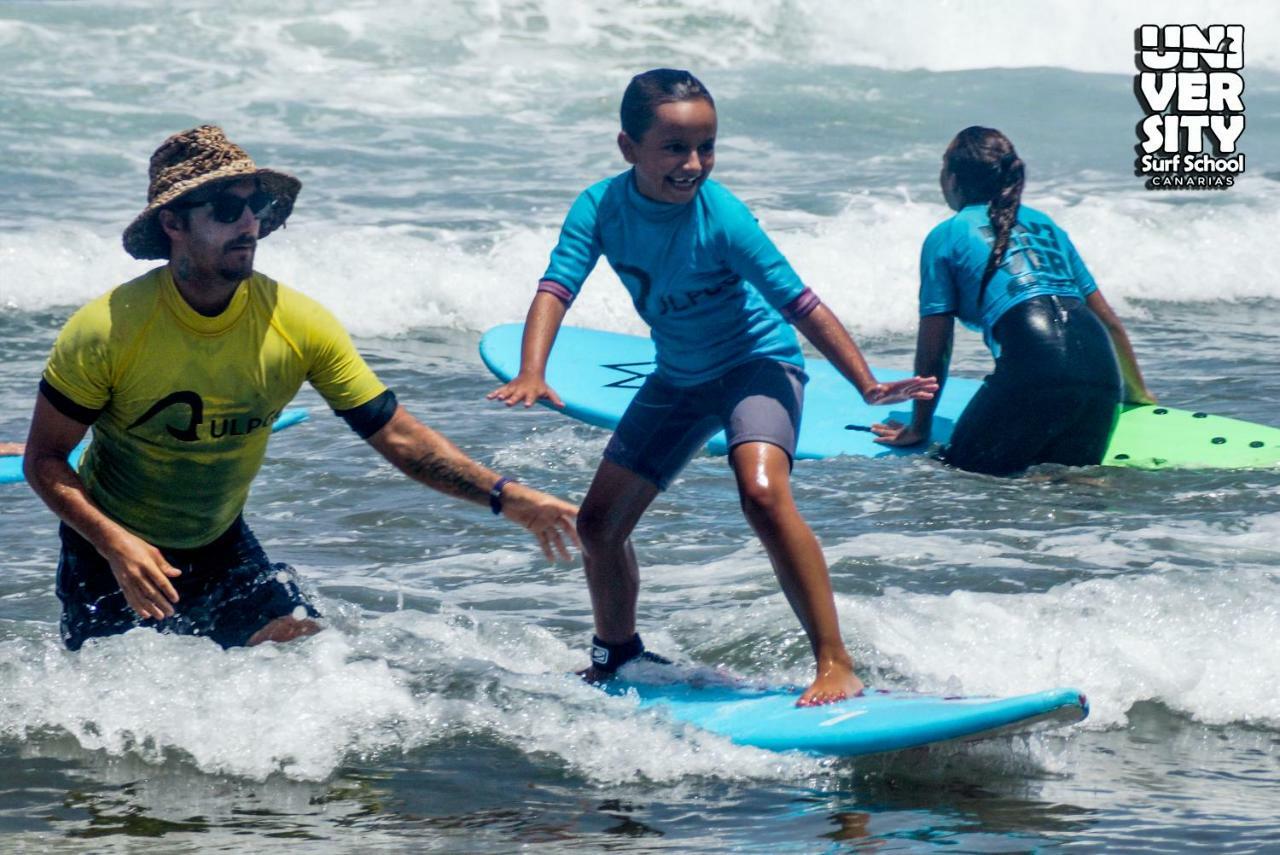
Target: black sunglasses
[[228, 207]]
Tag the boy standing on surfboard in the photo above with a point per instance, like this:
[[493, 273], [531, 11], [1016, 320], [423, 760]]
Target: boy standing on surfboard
[[181, 372], [720, 300]]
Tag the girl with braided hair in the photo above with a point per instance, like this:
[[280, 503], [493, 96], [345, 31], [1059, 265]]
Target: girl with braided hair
[[1063, 358]]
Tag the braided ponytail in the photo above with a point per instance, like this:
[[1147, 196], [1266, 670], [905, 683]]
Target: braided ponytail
[[987, 169]]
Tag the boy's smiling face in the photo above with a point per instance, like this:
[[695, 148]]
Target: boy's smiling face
[[676, 153]]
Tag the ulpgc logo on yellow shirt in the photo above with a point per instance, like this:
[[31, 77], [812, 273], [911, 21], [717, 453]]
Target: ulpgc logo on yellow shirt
[[193, 405], [195, 409], [1189, 84]]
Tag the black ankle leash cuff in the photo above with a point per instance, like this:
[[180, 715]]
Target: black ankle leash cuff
[[610, 657]]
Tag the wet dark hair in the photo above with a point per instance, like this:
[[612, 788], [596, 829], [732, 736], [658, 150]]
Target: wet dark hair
[[987, 169], [652, 88]]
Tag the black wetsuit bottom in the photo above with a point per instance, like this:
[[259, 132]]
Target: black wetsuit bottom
[[228, 590], [1053, 397]]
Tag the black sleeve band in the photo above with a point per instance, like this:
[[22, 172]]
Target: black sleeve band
[[66, 406], [371, 416]]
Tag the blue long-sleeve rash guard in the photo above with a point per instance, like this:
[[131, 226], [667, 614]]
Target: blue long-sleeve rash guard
[[705, 277], [1040, 259]]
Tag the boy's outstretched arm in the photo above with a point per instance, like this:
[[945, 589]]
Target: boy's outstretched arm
[[546, 313], [833, 341]]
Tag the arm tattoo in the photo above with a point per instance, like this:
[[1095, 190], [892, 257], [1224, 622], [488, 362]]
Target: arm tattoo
[[447, 475]]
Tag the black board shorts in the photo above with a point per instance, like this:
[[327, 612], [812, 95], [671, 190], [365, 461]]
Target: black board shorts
[[1054, 395], [666, 425], [228, 590]]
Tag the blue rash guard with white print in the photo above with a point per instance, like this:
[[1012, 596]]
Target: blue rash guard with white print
[[703, 274], [1040, 260]]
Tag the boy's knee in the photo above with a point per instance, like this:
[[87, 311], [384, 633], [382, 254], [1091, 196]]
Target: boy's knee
[[761, 501], [596, 530]]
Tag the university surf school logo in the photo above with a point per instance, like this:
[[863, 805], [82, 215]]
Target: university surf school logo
[[1190, 86]]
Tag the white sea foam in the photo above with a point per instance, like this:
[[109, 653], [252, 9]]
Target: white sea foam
[[1194, 633], [1086, 36], [251, 713], [400, 59], [505, 34], [1200, 644], [1193, 629], [398, 116], [862, 261], [302, 710]]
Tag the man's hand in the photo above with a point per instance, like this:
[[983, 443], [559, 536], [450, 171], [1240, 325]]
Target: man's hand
[[525, 389], [139, 568], [550, 519], [430, 458], [143, 575], [895, 433], [911, 389]]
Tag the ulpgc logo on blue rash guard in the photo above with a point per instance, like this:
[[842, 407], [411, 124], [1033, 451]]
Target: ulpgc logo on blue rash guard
[[1189, 85]]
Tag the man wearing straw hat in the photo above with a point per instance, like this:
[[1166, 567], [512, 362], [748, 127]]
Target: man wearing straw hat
[[181, 373]]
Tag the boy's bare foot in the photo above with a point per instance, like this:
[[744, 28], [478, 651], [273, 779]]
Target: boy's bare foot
[[835, 682]]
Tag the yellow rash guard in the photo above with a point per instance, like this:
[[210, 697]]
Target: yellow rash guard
[[182, 404]]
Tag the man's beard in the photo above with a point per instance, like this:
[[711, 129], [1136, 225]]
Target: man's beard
[[241, 270]]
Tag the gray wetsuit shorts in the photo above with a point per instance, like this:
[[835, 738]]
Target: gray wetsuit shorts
[[666, 425]]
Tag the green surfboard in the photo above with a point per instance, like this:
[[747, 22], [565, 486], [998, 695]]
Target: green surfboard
[[1150, 437]]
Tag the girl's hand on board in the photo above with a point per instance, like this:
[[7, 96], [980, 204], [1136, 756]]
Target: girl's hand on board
[[1141, 396], [897, 434]]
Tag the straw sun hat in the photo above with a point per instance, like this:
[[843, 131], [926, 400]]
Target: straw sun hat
[[189, 160]]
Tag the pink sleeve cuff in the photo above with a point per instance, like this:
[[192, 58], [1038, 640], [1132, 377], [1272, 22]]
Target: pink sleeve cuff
[[555, 289], [802, 306]]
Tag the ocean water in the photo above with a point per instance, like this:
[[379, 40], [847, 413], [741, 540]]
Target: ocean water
[[439, 145]]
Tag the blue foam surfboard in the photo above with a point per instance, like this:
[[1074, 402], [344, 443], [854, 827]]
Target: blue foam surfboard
[[11, 464], [878, 721], [596, 373]]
